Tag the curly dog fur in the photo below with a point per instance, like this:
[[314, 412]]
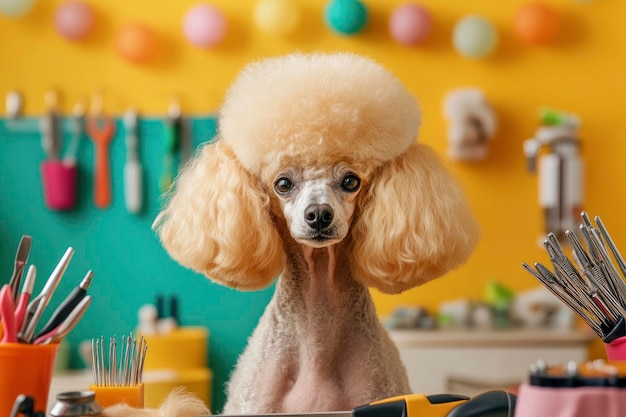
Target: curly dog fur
[[328, 141]]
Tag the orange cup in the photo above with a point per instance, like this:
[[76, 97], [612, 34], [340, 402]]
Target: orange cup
[[25, 369]]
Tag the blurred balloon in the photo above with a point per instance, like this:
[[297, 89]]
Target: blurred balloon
[[74, 20], [475, 37], [16, 8], [276, 17], [346, 17], [136, 43], [536, 24], [204, 26], [410, 24]]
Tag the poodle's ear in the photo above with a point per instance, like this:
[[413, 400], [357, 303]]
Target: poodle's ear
[[217, 222], [414, 224]]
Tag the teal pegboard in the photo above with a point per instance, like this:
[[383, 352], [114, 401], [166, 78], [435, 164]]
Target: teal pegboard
[[130, 265]]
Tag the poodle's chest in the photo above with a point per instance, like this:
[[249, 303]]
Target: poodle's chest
[[330, 378]]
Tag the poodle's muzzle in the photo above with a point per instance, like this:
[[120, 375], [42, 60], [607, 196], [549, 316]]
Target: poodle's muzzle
[[317, 204]]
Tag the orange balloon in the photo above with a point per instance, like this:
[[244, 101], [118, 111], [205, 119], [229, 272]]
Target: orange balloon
[[136, 42], [536, 24]]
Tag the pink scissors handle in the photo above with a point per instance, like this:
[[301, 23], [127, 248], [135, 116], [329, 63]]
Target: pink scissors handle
[[7, 311]]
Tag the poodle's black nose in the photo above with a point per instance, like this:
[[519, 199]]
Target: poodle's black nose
[[318, 216]]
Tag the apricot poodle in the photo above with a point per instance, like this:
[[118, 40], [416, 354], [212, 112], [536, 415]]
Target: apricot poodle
[[316, 178]]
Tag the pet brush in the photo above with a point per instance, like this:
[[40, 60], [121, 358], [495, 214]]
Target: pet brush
[[117, 373]]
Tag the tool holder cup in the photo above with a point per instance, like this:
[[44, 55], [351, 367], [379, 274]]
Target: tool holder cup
[[615, 342], [25, 369], [616, 349], [59, 184]]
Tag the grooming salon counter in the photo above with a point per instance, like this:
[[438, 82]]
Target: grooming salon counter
[[472, 361]]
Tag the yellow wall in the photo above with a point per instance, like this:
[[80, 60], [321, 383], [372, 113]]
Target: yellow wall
[[582, 73]]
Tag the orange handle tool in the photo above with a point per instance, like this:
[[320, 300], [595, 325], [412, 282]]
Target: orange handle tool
[[101, 137]]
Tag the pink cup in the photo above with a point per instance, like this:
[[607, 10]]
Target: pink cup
[[59, 184], [616, 350], [534, 401]]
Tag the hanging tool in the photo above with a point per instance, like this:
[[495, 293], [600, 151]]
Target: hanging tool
[[20, 262], [68, 305], [101, 131], [172, 126], [39, 303], [77, 130], [49, 125], [496, 403], [14, 104], [133, 189]]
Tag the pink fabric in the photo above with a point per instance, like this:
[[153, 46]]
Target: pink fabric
[[616, 350], [535, 401]]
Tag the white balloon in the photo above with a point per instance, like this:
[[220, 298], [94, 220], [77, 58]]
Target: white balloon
[[16, 8]]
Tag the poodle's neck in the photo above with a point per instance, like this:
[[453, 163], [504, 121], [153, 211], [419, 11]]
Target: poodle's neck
[[332, 317], [319, 281]]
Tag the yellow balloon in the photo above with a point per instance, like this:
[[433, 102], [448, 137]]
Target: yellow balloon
[[276, 17]]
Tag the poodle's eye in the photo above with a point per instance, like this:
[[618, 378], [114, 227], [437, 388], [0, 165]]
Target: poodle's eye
[[351, 183], [283, 185]]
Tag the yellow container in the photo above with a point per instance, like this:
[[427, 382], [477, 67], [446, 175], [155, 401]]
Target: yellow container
[[183, 348], [159, 384], [130, 395]]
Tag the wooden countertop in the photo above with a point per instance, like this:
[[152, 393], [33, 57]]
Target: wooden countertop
[[515, 337]]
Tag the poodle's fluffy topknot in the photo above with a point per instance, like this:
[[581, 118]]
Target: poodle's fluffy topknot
[[318, 108]]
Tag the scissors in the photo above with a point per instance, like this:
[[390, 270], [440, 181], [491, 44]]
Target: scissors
[[101, 131], [7, 311]]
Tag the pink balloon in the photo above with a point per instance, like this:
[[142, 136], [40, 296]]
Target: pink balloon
[[204, 26], [410, 24], [74, 20]]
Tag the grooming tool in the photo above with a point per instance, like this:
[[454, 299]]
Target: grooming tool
[[76, 404], [118, 368], [170, 143], [20, 262], [14, 104], [68, 305], [101, 131], [7, 311], [186, 141], [25, 405], [133, 190], [77, 129], [72, 319], [496, 403], [594, 288], [24, 298], [39, 303], [49, 126]]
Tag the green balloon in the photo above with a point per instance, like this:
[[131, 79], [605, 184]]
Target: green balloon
[[346, 17]]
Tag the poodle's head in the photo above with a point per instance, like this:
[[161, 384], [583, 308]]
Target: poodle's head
[[324, 143]]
